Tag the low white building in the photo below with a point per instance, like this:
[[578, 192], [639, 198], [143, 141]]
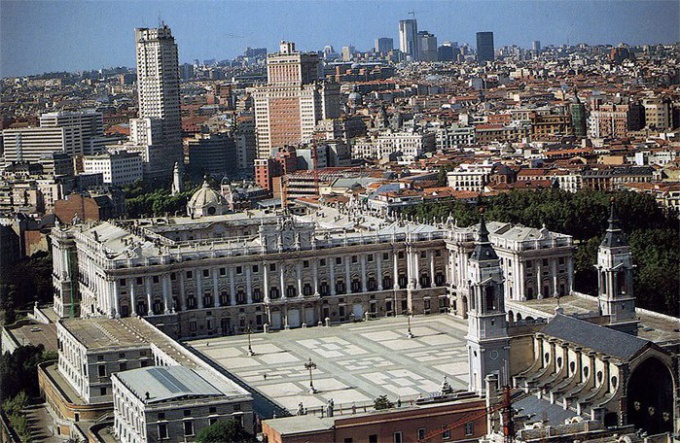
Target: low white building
[[119, 168], [174, 403]]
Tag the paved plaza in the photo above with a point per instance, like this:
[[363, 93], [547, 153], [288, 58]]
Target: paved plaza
[[355, 362]]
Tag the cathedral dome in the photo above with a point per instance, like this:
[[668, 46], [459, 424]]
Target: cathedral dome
[[206, 201]]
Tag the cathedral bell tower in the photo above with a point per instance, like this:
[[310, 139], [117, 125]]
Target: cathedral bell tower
[[487, 338], [615, 278]]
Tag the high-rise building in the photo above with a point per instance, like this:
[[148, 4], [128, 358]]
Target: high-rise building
[[295, 100], [88, 125], [408, 32], [485, 49], [427, 46], [536, 46], [158, 92], [383, 45]]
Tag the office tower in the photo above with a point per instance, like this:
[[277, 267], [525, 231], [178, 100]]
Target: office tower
[[536, 46], [348, 53], [87, 128], [485, 51], [384, 45], [158, 92], [427, 46], [30, 144], [288, 108], [408, 31]]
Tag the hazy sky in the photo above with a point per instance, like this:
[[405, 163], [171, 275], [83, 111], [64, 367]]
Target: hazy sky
[[48, 35]]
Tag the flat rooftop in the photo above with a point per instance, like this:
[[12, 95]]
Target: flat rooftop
[[661, 329], [355, 362]]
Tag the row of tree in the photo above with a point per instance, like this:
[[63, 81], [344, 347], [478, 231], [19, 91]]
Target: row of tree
[[653, 233], [24, 282]]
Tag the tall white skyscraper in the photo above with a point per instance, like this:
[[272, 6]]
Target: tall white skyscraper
[[408, 43], [159, 103]]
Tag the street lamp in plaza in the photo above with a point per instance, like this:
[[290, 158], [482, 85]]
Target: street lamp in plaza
[[310, 365], [408, 319], [250, 348]]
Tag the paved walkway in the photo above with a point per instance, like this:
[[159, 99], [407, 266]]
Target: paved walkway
[[355, 362]]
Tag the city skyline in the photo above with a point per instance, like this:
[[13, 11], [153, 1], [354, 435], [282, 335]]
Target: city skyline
[[222, 30]]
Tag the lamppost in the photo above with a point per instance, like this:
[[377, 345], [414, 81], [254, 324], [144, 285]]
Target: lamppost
[[310, 365], [250, 348], [408, 319]]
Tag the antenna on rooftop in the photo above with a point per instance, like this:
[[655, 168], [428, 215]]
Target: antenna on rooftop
[[412, 14]]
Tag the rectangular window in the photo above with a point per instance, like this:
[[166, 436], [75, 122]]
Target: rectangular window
[[102, 371], [188, 428], [272, 267], [421, 434], [373, 438], [338, 260], [192, 326], [162, 430], [239, 270], [190, 274], [305, 263], [370, 257], [397, 437], [446, 434], [161, 415], [469, 428], [401, 254], [187, 412], [123, 282], [530, 264], [123, 366], [206, 273], [156, 279], [323, 262], [102, 391], [545, 262], [386, 255], [223, 271], [354, 259], [256, 269], [139, 280]]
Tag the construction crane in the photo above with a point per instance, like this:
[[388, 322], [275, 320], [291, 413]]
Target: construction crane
[[505, 407], [412, 14]]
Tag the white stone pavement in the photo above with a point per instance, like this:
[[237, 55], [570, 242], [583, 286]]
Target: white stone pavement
[[355, 362]]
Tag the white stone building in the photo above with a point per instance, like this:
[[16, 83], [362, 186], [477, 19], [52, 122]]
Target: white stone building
[[174, 403], [117, 168], [220, 274]]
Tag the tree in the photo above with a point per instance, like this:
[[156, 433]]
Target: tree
[[224, 431], [382, 403]]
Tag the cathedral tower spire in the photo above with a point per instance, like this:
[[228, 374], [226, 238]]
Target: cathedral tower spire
[[487, 338], [615, 277]]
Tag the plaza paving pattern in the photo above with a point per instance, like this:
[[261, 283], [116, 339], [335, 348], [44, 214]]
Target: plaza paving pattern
[[355, 362]]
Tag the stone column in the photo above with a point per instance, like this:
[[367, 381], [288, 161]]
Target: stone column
[[378, 260], [182, 294], [416, 270], [283, 282], [249, 284], [539, 281], [165, 281], [432, 275], [266, 281], [199, 288], [298, 277], [332, 274], [133, 301], [348, 276], [149, 304], [232, 287], [216, 288], [553, 267], [315, 276], [395, 278], [363, 272]]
